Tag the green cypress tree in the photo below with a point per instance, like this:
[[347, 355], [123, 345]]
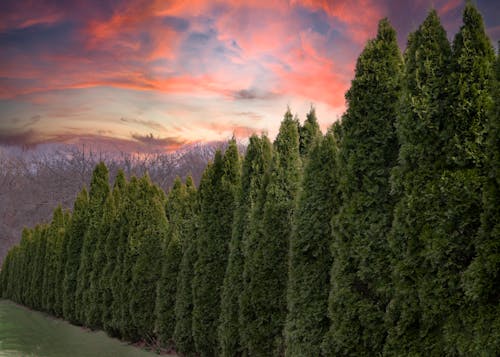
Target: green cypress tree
[[75, 233], [39, 263], [263, 300], [99, 190], [177, 211], [255, 164], [310, 258], [483, 275], [309, 132], [368, 150], [217, 205], [422, 159], [126, 261], [113, 250], [96, 309], [146, 239], [52, 259], [183, 337], [61, 264]]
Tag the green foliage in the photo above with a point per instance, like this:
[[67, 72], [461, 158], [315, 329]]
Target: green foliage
[[146, 239], [416, 177], [368, 150], [113, 251], [178, 211], [183, 335], [255, 164], [217, 204], [263, 300], [52, 262], [99, 191], [308, 133], [483, 274], [75, 232], [310, 258]]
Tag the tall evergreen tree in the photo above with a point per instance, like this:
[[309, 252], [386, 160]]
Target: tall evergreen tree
[[112, 251], [178, 211], [255, 164], [99, 190], [420, 127], [309, 132], [483, 275], [183, 336], [263, 299], [310, 257], [52, 258], [360, 283], [217, 204], [146, 239], [75, 233], [39, 263]]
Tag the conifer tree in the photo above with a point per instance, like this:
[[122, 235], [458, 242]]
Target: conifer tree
[[112, 251], [263, 300], [99, 190], [75, 234], [255, 164], [39, 263], [146, 239], [217, 205], [310, 257], [183, 336], [368, 150], [421, 161], [125, 263], [52, 258], [309, 132], [483, 275], [178, 211], [95, 311]]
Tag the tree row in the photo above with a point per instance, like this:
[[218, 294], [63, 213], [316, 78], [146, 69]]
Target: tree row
[[381, 237]]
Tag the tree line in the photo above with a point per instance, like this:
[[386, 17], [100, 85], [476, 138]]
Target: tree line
[[380, 237]]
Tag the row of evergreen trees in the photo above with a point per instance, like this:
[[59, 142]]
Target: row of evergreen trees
[[381, 237]]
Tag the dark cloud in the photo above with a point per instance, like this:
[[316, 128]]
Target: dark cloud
[[177, 23], [146, 123], [250, 94], [31, 139], [27, 138], [152, 141]]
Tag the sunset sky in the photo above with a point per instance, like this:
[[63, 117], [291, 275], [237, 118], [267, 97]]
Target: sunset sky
[[154, 75]]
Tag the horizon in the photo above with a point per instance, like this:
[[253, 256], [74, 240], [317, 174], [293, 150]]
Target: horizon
[[154, 76]]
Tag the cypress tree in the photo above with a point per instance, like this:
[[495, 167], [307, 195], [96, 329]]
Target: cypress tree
[[310, 258], [99, 190], [309, 132], [61, 264], [96, 309], [126, 261], [146, 238], [217, 204], [178, 211], [483, 275], [420, 128], [255, 164], [368, 150], [39, 263], [113, 249], [75, 234], [263, 300], [183, 336], [52, 258]]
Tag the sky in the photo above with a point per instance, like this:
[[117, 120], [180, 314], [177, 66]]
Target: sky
[[138, 75]]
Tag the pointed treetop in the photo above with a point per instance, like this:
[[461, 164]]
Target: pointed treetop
[[120, 180]]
